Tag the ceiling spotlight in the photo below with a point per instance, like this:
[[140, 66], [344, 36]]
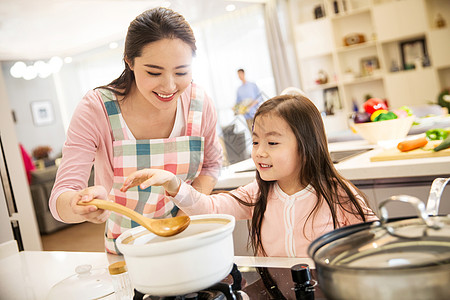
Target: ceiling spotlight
[[55, 63], [113, 45], [68, 60], [230, 7], [18, 69], [30, 73]]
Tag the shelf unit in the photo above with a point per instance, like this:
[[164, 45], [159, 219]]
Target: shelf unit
[[375, 66]]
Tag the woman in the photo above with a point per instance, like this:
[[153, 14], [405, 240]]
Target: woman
[[151, 116]]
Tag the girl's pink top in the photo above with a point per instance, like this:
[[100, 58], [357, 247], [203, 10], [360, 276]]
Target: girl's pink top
[[90, 142], [286, 229]]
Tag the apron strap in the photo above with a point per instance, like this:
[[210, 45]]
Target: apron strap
[[114, 114], [194, 122]]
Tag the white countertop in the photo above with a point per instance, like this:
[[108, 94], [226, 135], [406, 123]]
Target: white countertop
[[356, 168], [31, 274]]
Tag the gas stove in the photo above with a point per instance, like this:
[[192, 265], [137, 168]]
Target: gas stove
[[230, 288], [296, 283]]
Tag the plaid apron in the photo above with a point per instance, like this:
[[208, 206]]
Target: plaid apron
[[182, 156]]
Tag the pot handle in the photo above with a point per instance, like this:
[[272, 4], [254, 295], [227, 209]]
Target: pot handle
[[416, 203], [437, 187]]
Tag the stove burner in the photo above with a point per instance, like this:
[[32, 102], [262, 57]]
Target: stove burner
[[219, 291]]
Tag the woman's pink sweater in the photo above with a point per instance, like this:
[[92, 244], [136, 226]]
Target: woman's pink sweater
[[90, 142]]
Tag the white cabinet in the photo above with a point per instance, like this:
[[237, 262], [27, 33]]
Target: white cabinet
[[440, 47], [398, 19], [389, 49], [412, 87]]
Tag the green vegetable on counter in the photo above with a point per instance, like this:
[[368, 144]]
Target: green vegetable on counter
[[436, 134], [444, 145], [407, 109]]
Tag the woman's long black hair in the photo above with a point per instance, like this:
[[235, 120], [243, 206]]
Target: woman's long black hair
[[316, 167], [151, 26]]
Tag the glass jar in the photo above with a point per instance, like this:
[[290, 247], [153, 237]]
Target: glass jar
[[123, 288]]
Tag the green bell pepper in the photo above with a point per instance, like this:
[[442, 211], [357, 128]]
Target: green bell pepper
[[436, 134], [385, 116]]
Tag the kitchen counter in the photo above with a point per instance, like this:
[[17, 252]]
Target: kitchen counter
[[31, 274], [356, 168]]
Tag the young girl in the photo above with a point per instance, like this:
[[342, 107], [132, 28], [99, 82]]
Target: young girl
[[297, 196]]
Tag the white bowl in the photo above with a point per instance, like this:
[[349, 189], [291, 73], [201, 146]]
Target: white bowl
[[374, 132]]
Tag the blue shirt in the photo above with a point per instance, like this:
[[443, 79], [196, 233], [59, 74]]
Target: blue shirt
[[249, 90]]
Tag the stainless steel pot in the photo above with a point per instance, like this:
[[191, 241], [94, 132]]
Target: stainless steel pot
[[190, 261], [397, 259]]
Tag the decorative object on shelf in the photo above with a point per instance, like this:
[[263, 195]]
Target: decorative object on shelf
[[42, 112], [322, 77], [367, 97], [335, 7], [394, 66], [349, 75], [355, 106], [41, 152], [411, 51], [354, 38], [341, 6], [439, 21], [368, 65], [332, 100], [319, 12], [444, 99]]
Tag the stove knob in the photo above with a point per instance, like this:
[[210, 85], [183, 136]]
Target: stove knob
[[300, 273]]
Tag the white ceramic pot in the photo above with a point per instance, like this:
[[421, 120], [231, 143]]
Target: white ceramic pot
[[190, 261]]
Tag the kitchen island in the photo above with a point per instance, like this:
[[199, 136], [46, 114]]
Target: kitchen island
[[31, 274]]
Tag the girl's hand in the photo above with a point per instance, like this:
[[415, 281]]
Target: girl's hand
[[90, 213], [147, 177]]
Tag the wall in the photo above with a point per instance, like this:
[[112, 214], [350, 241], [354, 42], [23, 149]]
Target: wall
[[64, 90], [21, 93]]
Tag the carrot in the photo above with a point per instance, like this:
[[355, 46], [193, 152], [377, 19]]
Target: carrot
[[412, 144]]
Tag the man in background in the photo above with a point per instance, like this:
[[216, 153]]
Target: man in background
[[248, 99]]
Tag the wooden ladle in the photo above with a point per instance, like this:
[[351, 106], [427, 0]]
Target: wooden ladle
[[161, 227]]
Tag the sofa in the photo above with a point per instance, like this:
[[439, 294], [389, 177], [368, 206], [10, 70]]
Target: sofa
[[42, 181]]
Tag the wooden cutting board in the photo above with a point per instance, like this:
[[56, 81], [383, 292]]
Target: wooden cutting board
[[395, 154]]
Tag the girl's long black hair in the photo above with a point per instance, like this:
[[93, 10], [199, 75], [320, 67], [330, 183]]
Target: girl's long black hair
[[316, 167]]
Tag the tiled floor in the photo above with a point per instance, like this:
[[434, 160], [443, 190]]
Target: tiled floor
[[85, 237]]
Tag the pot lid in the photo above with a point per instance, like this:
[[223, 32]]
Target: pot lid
[[86, 283], [399, 244]]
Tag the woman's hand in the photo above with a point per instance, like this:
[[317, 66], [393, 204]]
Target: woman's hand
[[148, 177], [90, 213]]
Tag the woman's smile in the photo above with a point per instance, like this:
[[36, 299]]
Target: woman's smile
[[165, 97]]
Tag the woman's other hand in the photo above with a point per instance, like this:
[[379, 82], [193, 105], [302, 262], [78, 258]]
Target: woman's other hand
[[90, 212], [148, 177]]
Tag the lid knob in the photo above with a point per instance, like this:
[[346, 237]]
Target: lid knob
[[117, 268]]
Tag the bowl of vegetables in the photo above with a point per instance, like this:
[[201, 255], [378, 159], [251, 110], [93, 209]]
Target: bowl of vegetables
[[377, 123]]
